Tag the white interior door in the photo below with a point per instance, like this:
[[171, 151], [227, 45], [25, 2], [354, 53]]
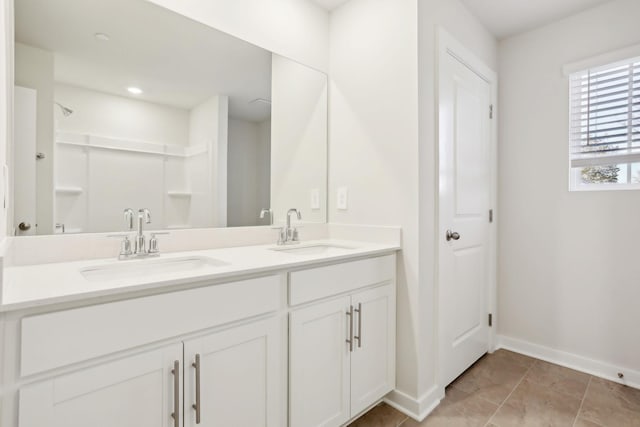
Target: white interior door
[[465, 197], [24, 164]]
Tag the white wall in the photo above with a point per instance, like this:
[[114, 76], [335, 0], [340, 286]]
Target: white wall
[[263, 173], [383, 148], [6, 88], [374, 142], [454, 18], [568, 270], [298, 139], [34, 68], [247, 160], [297, 29], [102, 114], [208, 126]]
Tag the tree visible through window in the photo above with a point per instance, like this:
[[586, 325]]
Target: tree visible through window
[[600, 174]]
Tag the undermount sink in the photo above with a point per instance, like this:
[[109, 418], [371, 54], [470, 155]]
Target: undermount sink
[[319, 249], [141, 268]]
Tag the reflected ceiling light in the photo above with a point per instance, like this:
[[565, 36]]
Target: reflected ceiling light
[[102, 37], [134, 90]]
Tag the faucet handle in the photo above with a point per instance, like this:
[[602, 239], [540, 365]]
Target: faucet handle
[[282, 234], [153, 241], [125, 245]]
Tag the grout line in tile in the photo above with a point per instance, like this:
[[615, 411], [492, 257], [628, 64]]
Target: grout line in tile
[[584, 396], [509, 395]]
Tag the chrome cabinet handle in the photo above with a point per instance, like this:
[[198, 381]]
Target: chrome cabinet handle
[[196, 405], [350, 340], [452, 235], [176, 393], [359, 336]]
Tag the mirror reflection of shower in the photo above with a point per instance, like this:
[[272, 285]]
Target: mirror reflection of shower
[[65, 110]]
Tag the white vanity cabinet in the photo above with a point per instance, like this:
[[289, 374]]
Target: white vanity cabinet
[[342, 349], [319, 365], [135, 391], [238, 380], [210, 354], [232, 378], [373, 362], [234, 375]]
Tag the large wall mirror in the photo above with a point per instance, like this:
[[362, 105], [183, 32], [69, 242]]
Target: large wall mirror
[[124, 104]]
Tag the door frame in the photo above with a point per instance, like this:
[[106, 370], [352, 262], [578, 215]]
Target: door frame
[[448, 45]]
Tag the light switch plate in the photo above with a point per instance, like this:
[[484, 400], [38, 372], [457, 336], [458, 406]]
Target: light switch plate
[[315, 199], [342, 198]]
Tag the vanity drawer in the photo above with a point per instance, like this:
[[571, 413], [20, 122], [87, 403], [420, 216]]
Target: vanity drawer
[[58, 339], [316, 283]]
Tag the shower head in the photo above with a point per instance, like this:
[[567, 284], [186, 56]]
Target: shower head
[[65, 111]]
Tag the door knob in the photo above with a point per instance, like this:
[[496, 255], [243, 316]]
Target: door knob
[[452, 235], [24, 226]]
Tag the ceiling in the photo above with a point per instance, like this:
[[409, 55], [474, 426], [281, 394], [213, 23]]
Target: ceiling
[[330, 4], [506, 18], [174, 60]]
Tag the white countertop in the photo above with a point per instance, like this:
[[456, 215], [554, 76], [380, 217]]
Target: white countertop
[[45, 284]]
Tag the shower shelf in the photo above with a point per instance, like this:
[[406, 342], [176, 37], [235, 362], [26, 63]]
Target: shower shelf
[[69, 190], [183, 194]]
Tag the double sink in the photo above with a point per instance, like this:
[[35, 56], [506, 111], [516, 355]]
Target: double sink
[[122, 270]]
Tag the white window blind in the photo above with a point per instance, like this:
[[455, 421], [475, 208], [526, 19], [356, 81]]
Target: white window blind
[[605, 115]]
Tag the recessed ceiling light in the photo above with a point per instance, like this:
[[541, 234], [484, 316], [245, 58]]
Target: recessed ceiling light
[[134, 90], [260, 100], [102, 37]]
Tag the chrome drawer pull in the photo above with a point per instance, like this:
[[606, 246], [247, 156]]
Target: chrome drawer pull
[[350, 340], [176, 393], [196, 405], [359, 337]]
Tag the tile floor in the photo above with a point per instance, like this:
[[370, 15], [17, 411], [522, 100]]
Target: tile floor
[[506, 389]]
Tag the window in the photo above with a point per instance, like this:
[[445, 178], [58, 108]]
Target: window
[[605, 127]]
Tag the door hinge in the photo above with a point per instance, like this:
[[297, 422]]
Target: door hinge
[[490, 215], [491, 111], [490, 319]]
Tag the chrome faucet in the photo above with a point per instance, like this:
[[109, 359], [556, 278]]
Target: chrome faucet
[[139, 245], [289, 235], [265, 212], [128, 217]]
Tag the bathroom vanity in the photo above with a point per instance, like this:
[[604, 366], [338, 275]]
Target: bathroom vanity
[[265, 335], [200, 134]]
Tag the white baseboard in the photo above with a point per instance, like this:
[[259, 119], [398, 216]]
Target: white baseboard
[[418, 409], [569, 360]]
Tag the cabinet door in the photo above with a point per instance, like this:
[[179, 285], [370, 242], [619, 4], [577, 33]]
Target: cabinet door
[[137, 391], [319, 364], [240, 377], [373, 357]]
